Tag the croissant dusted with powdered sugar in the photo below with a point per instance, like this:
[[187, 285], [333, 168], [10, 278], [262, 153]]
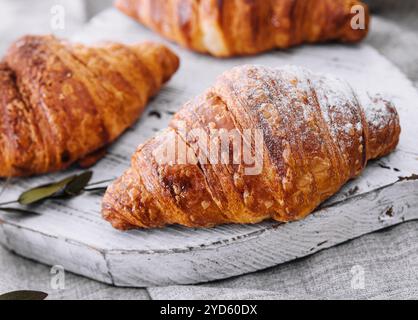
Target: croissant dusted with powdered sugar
[[301, 136], [242, 27], [62, 102]]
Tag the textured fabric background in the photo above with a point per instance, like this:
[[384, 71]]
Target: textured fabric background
[[395, 33], [388, 259]]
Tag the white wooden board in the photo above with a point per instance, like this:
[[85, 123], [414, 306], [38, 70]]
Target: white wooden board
[[73, 234]]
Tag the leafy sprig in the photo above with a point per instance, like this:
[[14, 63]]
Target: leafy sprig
[[67, 188]]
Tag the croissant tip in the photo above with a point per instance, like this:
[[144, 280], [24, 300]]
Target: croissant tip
[[383, 126], [171, 62], [112, 216]]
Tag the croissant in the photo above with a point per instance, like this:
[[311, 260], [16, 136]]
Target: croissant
[[242, 27], [260, 144], [61, 103]]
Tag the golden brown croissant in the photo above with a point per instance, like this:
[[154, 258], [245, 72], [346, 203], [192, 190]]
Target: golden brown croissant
[[304, 135], [241, 27], [62, 102]]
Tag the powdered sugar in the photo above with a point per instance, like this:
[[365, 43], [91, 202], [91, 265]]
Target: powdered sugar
[[378, 111], [298, 110], [337, 101]]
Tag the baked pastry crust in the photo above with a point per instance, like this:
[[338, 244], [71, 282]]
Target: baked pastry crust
[[316, 137], [60, 102], [241, 27]]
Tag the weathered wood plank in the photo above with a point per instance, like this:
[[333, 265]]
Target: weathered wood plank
[[270, 245]]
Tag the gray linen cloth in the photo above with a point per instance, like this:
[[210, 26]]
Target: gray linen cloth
[[382, 265]]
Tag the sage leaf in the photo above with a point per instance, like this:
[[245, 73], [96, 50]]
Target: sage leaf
[[18, 211], [24, 295], [77, 185], [44, 192]]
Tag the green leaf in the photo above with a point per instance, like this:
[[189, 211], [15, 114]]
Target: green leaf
[[24, 295], [44, 192], [18, 211], [77, 185]]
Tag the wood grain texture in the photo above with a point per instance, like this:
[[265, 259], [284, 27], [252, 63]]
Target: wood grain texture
[[73, 234]]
